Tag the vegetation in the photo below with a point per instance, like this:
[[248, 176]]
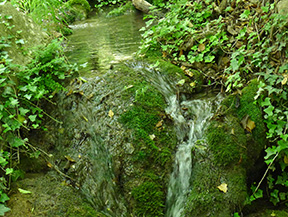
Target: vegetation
[[23, 89], [153, 142], [205, 35]]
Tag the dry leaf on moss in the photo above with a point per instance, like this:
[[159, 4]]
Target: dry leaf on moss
[[201, 47], [111, 114], [223, 187]]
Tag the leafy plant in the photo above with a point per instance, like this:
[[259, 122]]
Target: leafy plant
[[204, 35], [22, 88], [102, 3]]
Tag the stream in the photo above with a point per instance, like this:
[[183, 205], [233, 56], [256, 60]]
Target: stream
[[99, 45]]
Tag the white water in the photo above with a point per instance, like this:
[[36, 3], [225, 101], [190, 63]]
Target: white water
[[189, 130], [179, 184]]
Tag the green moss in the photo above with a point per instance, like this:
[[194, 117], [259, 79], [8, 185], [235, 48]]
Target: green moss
[[121, 10], [155, 154], [143, 117], [82, 3], [149, 199], [206, 199], [242, 105], [227, 141], [249, 107]]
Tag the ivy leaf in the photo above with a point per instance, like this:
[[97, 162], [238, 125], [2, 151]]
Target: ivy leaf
[[269, 110], [3, 161], [20, 41], [3, 209], [9, 171], [16, 142], [32, 117], [4, 198], [13, 101], [23, 111], [234, 65]]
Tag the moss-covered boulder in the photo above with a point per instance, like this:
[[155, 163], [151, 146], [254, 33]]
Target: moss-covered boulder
[[19, 32], [47, 196], [78, 9], [219, 179]]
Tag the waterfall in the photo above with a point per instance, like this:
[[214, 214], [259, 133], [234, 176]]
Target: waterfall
[[189, 128], [179, 184]]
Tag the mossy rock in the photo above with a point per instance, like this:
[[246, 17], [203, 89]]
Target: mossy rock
[[227, 141], [24, 35], [121, 10], [205, 199], [231, 153], [49, 197], [78, 9], [149, 199], [242, 105]]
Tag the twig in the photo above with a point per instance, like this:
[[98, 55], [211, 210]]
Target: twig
[[265, 173]]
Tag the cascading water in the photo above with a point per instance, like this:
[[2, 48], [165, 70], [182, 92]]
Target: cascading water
[[189, 130], [179, 184]]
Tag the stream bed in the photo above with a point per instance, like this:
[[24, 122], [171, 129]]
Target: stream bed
[[115, 173]]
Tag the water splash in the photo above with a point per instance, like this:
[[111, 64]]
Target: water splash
[[179, 184]]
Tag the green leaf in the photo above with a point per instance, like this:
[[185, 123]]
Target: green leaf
[[32, 117], [23, 111], [9, 171], [234, 64], [20, 41], [269, 110], [4, 198], [17, 142], [3, 209], [3, 161], [13, 101], [22, 191]]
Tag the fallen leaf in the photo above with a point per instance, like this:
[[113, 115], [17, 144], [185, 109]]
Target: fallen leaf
[[285, 79], [223, 187], [69, 158], [152, 137], [193, 84], [189, 73], [111, 114], [232, 131], [22, 191], [181, 82], [180, 53], [201, 47], [183, 67], [250, 125], [285, 159], [159, 124], [49, 165]]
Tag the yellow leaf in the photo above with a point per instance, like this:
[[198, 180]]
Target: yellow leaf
[[111, 114], [181, 82], [232, 131], [223, 187], [86, 119], [201, 47], [159, 124], [49, 164], [285, 159], [285, 79], [250, 125], [193, 84], [152, 137], [189, 73]]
